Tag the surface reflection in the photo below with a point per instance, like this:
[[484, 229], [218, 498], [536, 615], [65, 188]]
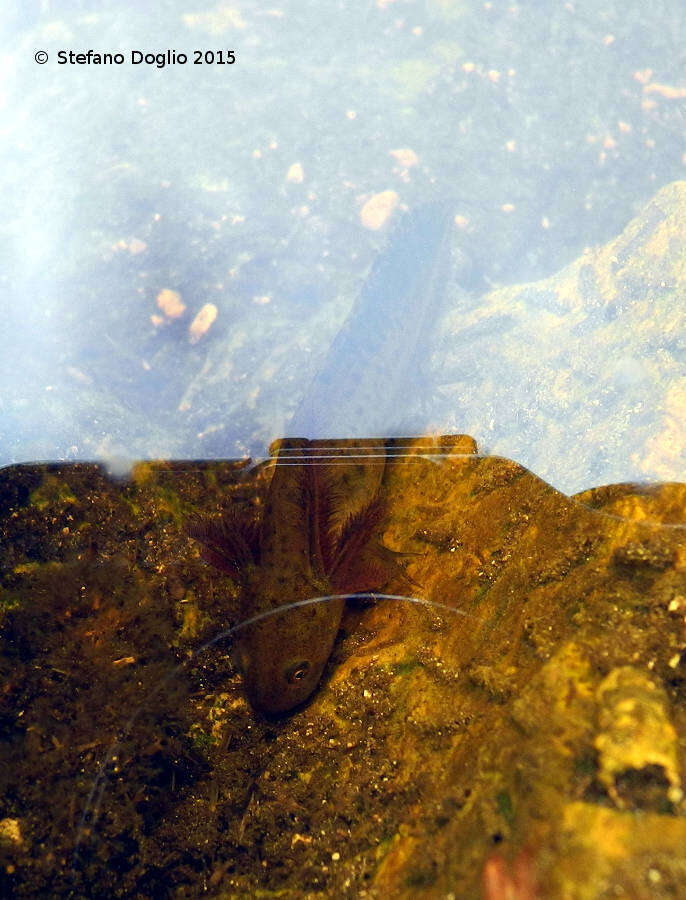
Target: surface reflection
[[188, 248]]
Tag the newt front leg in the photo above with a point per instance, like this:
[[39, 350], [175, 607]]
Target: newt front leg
[[314, 539]]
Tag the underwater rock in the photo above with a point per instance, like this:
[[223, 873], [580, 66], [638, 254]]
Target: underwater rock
[[595, 350], [520, 725], [202, 322], [636, 734], [378, 209], [170, 303]]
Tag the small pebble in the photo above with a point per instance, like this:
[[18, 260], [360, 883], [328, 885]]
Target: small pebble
[[202, 322]]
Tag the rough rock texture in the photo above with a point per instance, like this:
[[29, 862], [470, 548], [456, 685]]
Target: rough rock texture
[[580, 376], [534, 740]]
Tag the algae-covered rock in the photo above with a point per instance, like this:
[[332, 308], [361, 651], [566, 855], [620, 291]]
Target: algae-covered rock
[[580, 376], [603, 852], [635, 734], [525, 732]]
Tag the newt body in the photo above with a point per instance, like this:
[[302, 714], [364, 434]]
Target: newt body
[[314, 538], [317, 537], [372, 366]]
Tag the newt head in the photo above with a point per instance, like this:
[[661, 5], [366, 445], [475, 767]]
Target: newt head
[[282, 656]]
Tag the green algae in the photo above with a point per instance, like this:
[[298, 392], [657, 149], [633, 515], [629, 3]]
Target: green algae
[[53, 491]]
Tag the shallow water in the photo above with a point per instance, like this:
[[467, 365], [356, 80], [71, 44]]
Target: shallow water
[[198, 259], [123, 182]]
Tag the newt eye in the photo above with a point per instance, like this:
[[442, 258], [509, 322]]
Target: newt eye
[[297, 672]]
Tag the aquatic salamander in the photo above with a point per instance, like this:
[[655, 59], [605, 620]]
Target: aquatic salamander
[[315, 534], [371, 367], [314, 539]]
